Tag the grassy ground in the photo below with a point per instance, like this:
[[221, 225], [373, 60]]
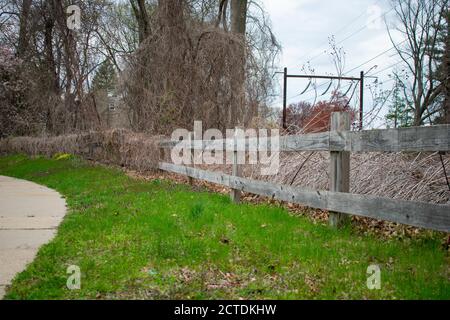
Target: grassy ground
[[157, 240]]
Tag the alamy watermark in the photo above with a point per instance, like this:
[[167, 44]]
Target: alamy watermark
[[74, 18], [374, 17], [74, 279], [210, 147], [374, 277]]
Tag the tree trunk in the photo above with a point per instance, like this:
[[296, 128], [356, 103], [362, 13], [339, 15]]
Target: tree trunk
[[52, 85], [238, 27], [238, 16], [23, 29], [142, 18], [74, 80], [49, 24]]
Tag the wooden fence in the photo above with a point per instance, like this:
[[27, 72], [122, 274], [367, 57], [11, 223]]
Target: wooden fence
[[340, 142]]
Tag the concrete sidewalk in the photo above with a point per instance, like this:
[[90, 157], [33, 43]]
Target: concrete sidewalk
[[29, 216]]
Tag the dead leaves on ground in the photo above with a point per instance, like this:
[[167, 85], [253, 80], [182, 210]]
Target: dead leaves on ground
[[363, 225]]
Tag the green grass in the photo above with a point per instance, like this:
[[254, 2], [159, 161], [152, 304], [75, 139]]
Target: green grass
[[158, 240]]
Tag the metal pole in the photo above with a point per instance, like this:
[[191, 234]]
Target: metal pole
[[307, 76], [361, 100], [284, 97]]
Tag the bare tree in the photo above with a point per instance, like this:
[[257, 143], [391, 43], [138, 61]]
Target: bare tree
[[142, 17], [23, 28], [445, 67], [175, 62], [420, 21], [222, 16], [238, 27]]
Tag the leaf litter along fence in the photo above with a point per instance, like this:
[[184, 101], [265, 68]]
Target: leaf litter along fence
[[339, 142]]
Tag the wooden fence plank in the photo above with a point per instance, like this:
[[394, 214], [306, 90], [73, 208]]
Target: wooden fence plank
[[306, 142], [414, 139], [419, 214], [311, 142]]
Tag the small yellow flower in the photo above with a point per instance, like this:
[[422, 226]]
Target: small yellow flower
[[62, 156]]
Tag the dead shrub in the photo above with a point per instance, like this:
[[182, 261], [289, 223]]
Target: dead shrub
[[121, 147]]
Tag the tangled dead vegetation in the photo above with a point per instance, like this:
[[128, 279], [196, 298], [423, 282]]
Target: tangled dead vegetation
[[120, 147], [194, 83], [187, 69], [407, 176]]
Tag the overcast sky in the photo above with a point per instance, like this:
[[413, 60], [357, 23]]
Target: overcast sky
[[304, 26]]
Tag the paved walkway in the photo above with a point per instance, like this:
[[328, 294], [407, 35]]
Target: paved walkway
[[29, 216]]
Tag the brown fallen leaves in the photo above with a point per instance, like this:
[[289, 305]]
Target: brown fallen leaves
[[362, 225]]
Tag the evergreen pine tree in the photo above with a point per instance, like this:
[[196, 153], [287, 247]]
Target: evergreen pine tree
[[105, 78], [399, 115]]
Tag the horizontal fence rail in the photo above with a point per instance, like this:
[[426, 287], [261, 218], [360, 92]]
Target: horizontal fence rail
[[414, 139], [340, 142], [419, 214]]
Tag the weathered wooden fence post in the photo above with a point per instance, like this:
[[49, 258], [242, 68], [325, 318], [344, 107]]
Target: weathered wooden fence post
[[161, 155], [339, 166], [192, 151], [237, 169]]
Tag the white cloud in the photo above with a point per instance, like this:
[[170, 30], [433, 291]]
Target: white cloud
[[304, 26]]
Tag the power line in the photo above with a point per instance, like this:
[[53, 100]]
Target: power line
[[348, 37], [387, 68], [345, 39], [324, 83], [377, 56], [353, 69], [337, 32]]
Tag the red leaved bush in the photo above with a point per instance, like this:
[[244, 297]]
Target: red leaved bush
[[307, 118]]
